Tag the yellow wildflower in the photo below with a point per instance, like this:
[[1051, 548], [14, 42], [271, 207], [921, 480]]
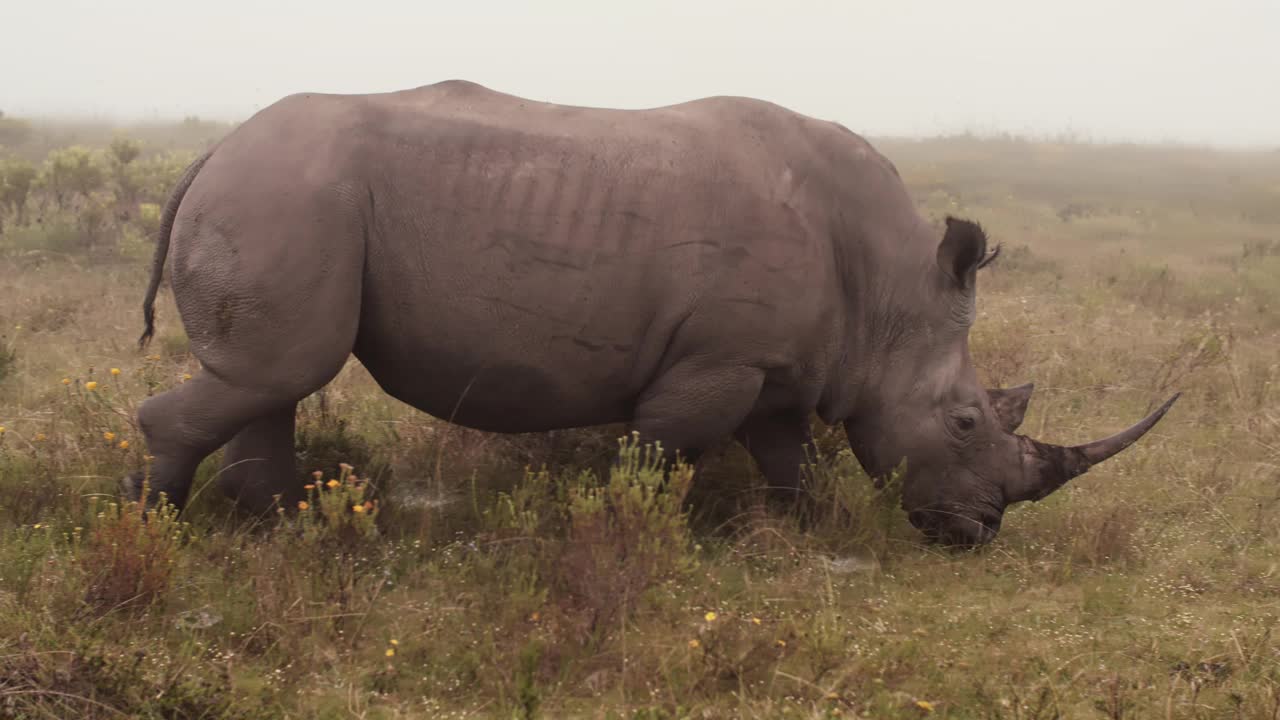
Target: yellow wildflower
[[395, 642], [91, 386], [1, 429], [535, 616], [66, 381], [186, 377], [309, 486], [333, 484], [782, 643], [41, 437], [391, 652], [359, 509], [115, 371], [925, 705], [755, 620], [124, 445], [303, 505], [37, 526], [694, 643], [710, 616], [108, 436]]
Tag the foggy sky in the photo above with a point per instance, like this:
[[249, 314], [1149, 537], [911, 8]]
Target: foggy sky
[[1145, 70]]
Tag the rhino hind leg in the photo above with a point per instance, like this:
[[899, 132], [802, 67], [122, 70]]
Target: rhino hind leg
[[184, 425], [259, 464]]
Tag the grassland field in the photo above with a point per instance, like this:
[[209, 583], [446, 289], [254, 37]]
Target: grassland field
[[446, 573]]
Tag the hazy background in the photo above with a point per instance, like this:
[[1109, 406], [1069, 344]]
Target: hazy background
[[1142, 70]]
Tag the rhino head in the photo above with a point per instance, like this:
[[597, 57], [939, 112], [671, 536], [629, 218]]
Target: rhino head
[[965, 462]]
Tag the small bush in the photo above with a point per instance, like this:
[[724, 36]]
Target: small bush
[[326, 549], [8, 357], [336, 511], [624, 537], [72, 171], [593, 549], [149, 219], [58, 235], [16, 178], [129, 553]]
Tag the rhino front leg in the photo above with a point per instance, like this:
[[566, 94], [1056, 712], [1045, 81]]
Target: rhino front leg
[[259, 464], [693, 406], [778, 443]]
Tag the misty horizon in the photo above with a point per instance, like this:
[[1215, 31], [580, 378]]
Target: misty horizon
[[1144, 72]]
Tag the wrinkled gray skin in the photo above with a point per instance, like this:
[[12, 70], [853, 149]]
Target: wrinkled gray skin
[[719, 267]]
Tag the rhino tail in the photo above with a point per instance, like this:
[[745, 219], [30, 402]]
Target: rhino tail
[[162, 245]]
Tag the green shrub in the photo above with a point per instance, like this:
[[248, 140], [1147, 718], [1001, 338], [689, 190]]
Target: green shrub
[[58, 234], [594, 549], [16, 178], [336, 512], [72, 171], [627, 536], [129, 553], [8, 357]]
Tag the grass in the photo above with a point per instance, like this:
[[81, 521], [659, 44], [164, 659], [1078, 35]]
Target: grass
[[492, 576]]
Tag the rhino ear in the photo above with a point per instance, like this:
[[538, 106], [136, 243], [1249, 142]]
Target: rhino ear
[[962, 251], [1010, 404]]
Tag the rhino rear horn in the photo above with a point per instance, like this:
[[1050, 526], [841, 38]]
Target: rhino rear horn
[[1045, 467], [1010, 404]]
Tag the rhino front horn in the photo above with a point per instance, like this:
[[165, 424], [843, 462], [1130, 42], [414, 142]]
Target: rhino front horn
[[1045, 467]]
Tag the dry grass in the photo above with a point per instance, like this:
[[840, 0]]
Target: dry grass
[[1147, 588]]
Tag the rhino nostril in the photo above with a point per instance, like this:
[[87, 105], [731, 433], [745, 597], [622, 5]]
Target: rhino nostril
[[971, 534], [919, 519]]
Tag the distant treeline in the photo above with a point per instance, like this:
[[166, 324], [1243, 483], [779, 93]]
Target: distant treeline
[[74, 186], [90, 187]]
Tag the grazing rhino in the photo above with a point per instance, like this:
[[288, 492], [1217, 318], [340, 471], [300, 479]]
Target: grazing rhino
[[718, 267]]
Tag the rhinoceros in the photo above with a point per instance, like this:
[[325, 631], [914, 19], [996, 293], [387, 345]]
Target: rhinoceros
[[720, 267]]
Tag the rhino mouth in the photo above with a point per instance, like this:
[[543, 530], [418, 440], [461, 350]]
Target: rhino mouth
[[958, 528]]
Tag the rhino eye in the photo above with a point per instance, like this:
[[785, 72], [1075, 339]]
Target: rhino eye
[[964, 420]]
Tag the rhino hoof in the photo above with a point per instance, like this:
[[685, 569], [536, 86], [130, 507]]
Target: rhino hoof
[[131, 486]]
